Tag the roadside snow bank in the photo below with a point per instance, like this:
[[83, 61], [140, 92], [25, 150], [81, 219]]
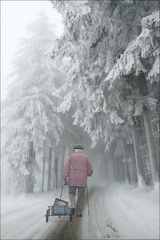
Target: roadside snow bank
[[134, 211]]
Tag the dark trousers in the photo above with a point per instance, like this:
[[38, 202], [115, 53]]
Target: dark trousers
[[80, 198]]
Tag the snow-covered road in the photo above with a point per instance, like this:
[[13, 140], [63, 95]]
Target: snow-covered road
[[95, 223], [119, 212]]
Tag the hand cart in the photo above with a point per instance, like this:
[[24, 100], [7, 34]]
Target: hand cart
[[59, 208]]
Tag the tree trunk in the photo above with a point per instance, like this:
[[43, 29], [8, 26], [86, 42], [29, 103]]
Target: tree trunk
[[56, 170], [125, 171], [103, 170], [121, 169], [116, 162], [62, 164], [147, 123], [131, 163], [49, 169], [125, 163], [137, 155], [29, 186], [109, 165], [151, 144], [44, 165], [130, 169], [29, 179], [115, 168]]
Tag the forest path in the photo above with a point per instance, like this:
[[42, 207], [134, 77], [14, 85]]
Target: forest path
[[24, 218], [133, 211], [94, 224]]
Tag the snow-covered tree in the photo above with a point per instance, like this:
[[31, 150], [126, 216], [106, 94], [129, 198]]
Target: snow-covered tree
[[31, 104], [96, 34], [136, 65]]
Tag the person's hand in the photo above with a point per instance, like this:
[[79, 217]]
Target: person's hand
[[65, 181]]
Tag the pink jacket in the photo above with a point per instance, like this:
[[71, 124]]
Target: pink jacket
[[76, 170]]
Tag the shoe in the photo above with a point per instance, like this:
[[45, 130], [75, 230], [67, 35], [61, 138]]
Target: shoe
[[79, 215], [72, 211]]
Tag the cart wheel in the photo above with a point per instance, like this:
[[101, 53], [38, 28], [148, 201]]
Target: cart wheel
[[70, 218], [47, 218], [47, 215]]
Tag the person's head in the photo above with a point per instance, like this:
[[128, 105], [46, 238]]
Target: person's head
[[78, 148]]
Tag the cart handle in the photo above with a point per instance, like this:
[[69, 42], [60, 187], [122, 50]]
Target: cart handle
[[62, 190]]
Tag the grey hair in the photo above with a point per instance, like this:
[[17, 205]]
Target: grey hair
[[78, 150]]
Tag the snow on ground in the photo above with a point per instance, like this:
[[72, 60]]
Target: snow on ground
[[134, 211], [120, 211], [24, 217]]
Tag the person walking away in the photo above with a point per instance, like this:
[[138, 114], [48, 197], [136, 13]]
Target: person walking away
[[76, 170]]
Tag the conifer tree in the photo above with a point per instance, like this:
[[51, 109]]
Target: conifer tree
[[31, 105]]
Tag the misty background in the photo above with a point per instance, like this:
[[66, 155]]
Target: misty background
[[82, 72]]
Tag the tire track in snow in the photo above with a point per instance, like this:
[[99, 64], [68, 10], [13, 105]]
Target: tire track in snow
[[55, 231], [63, 230], [68, 230], [73, 229], [97, 221], [85, 231], [107, 229], [93, 226]]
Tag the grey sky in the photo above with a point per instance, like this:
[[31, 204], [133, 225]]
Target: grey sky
[[15, 15]]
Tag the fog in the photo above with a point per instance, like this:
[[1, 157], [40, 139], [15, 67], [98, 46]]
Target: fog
[[83, 74], [15, 15]]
